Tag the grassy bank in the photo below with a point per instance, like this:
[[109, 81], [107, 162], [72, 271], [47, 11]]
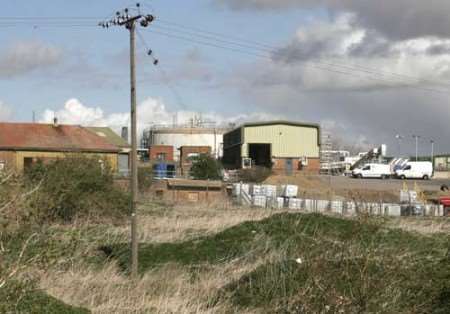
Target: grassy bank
[[323, 263]]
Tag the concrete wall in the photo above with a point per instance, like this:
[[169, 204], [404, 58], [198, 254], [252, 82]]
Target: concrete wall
[[16, 159], [288, 141]]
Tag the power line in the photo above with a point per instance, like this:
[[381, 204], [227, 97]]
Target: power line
[[252, 48], [274, 51], [264, 46], [165, 77], [314, 64]]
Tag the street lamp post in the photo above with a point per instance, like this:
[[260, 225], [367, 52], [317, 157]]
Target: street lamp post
[[399, 140], [416, 137], [432, 150]]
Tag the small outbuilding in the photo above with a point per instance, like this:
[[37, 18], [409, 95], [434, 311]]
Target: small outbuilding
[[285, 146], [184, 191]]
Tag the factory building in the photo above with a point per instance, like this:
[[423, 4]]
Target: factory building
[[286, 147], [185, 135]]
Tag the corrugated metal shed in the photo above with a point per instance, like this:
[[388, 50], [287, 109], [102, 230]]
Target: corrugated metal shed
[[49, 137], [287, 140]]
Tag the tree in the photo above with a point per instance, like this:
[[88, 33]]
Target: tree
[[205, 167]]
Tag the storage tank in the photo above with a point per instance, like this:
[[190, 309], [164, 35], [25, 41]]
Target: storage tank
[[186, 136]]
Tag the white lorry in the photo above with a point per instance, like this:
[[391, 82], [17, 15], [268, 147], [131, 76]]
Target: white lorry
[[415, 170], [381, 171]]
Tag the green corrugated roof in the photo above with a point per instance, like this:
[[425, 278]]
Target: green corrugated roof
[[111, 136]]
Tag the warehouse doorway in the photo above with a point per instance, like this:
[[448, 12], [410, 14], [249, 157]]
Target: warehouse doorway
[[261, 154]]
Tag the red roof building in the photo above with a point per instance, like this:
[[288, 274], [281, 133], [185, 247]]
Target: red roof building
[[22, 144]]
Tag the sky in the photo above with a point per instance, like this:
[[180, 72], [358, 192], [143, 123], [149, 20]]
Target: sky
[[365, 70]]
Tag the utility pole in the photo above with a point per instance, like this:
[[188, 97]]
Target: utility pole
[[124, 18]]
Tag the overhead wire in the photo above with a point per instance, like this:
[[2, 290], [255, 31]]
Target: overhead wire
[[183, 28], [231, 43], [312, 64], [164, 76]]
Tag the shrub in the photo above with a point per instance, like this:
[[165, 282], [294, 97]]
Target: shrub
[[206, 168], [145, 175], [76, 186], [256, 174]]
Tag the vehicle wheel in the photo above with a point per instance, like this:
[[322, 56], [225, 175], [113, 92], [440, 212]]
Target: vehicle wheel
[[384, 177], [402, 177], [425, 177], [444, 188], [359, 176]]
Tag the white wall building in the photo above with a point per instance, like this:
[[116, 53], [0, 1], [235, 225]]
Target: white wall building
[[187, 136]]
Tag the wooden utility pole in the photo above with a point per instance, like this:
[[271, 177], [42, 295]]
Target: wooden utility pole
[[134, 176], [130, 22]]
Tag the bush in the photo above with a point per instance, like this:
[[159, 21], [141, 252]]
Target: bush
[[76, 186], [256, 174], [206, 168], [145, 175]]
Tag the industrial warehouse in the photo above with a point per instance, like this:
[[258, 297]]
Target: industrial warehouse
[[283, 146]]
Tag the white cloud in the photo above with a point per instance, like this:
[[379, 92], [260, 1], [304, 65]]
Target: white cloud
[[150, 111], [356, 58], [23, 57]]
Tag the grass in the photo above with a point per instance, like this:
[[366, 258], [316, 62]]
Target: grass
[[228, 260], [295, 231], [349, 266], [17, 297]]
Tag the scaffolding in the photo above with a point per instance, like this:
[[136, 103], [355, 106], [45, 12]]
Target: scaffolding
[[326, 157]]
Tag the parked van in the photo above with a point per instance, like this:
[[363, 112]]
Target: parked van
[[415, 170], [381, 171]]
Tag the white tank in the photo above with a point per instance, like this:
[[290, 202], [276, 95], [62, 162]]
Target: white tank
[[178, 137]]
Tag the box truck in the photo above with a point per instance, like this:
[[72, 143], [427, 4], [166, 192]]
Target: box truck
[[373, 171], [415, 170]]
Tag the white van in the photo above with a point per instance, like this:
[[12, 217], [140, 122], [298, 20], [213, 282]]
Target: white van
[[415, 170], [373, 171]]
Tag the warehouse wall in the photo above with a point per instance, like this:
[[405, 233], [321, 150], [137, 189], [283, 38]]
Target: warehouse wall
[[288, 141]]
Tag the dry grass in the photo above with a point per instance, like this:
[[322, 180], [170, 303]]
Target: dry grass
[[169, 289], [185, 222], [172, 288], [421, 225]]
